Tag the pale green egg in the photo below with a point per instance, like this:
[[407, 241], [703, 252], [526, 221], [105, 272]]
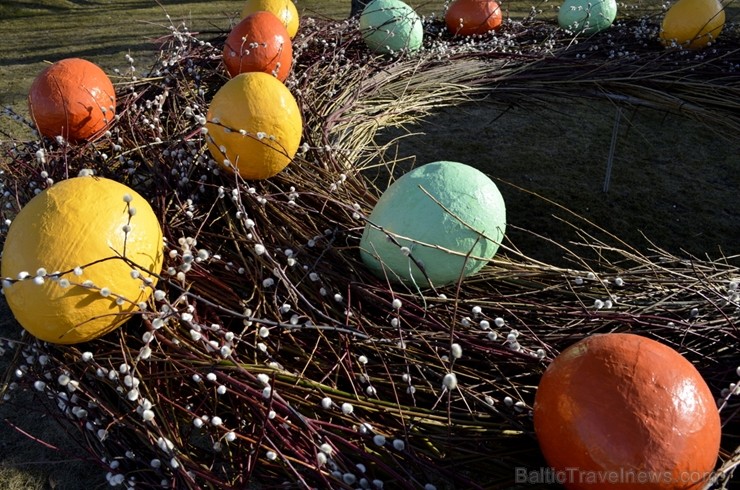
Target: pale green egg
[[587, 16], [390, 26], [447, 217]]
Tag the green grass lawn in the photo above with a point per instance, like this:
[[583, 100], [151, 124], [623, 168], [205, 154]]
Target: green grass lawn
[[104, 31], [36, 32]]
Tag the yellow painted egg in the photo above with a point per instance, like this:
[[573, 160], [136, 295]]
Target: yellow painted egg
[[284, 10], [80, 258], [254, 125], [692, 24], [473, 17]]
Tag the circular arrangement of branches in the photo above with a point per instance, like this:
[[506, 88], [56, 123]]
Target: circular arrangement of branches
[[269, 355]]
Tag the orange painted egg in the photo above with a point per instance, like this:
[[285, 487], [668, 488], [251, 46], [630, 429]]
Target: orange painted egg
[[72, 98], [259, 42], [472, 17], [284, 10], [622, 411]]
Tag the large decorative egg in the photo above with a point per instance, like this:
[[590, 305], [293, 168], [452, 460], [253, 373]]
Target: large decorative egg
[[390, 26], [587, 16], [259, 43], [692, 24], [626, 407], [283, 9], [79, 259], [254, 125], [473, 17], [447, 217], [72, 98]]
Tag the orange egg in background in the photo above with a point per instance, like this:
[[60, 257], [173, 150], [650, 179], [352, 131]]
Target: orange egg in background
[[285, 10], [259, 42], [72, 98], [473, 17], [625, 407]]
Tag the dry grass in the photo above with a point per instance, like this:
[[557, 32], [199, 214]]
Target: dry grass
[[686, 210]]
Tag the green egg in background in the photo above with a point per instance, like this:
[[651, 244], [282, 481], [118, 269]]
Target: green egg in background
[[449, 216], [587, 16], [390, 26]]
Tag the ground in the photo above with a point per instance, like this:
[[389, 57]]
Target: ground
[[673, 180]]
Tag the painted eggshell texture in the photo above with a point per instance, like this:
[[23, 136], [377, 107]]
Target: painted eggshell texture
[[587, 16], [692, 24], [431, 211], [72, 224], [259, 43], [255, 124], [391, 26], [284, 10], [473, 17], [72, 98], [627, 405]]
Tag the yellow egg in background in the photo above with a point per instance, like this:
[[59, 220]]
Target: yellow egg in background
[[254, 125], [284, 10], [692, 24], [65, 279]]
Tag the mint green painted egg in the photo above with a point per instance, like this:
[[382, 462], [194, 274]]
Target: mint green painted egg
[[587, 16], [390, 26], [438, 213]]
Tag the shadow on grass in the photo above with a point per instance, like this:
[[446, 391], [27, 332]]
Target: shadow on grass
[[23, 9], [87, 52], [671, 185]]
